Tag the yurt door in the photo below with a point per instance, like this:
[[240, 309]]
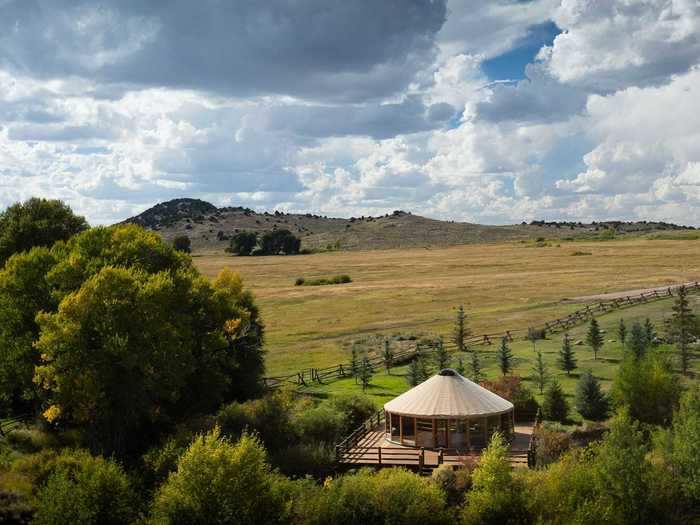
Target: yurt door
[[440, 433]]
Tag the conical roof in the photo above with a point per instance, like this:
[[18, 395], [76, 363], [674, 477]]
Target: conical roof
[[448, 394]]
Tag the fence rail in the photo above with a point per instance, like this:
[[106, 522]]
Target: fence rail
[[319, 375], [10, 424]]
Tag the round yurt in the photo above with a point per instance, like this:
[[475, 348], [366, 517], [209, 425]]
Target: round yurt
[[447, 411]]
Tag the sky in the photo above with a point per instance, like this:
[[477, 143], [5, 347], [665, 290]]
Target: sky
[[493, 112]]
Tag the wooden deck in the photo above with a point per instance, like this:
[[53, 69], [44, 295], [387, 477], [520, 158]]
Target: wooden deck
[[370, 448]]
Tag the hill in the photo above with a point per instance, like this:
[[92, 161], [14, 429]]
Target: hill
[[210, 228]]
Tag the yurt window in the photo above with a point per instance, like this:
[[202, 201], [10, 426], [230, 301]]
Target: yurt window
[[395, 427], [409, 430]]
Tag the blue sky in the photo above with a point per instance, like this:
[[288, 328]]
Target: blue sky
[[511, 64], [342, 108]]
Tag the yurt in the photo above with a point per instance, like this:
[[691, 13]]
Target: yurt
[[447, 411]]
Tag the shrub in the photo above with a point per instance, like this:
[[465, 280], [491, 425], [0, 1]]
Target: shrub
[[92, 490], [306, 459], [355, 410], [648, 388], [182, 244], [14, 509], [390, 496], [495, 496], [243, 243], [269, 417], [217, 482], [338, 279], [514, 390], [551, 445], [320, 424]]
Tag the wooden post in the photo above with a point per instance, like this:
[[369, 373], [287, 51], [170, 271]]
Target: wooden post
[[421, 458], [379, 454], [440, 456], [469, 445], [486, 431], [434, 435], [401, 429]]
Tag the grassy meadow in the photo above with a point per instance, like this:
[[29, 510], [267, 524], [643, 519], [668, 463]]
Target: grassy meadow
[[387, 386], [502, 286]]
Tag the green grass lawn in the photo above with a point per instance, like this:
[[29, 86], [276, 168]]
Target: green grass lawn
[[387, 386]]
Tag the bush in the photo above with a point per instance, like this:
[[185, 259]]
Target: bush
[[14, 509], [182, 244], [320, 424], [338, 279], [306, 459], [495, 496], [551, 444], [269, 417], [513, 389], [355, 410], [91, 490], [648, 388], [390, 496], [218, 482], [243, 243]]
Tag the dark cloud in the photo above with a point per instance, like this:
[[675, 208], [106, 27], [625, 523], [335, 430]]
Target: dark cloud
[[329, 49], [379, 121]]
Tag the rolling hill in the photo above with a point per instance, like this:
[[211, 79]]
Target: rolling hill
[[210, 228]]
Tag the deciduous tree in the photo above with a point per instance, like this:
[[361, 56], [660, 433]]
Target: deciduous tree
[[36, 222]]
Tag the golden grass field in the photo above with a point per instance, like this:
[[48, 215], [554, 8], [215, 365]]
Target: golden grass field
[[502, 286]]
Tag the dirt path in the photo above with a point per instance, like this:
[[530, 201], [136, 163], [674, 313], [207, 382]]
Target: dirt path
[[625, 293]]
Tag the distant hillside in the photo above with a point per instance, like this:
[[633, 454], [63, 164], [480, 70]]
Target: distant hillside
[[209, 228]]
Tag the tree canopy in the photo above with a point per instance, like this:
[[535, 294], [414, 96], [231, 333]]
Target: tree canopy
[[36, 222], [121, 333]]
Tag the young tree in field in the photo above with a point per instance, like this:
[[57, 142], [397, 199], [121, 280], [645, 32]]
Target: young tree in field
[[683, 327], [555, 407], [475, 367], [590, 402], [354, 363], [366, 372], [505, 357], [649, 332], [567, 359], [442, 356], [182, 244], [594, 337], [461, 330], [243, 243], [684, 446], [622, 331], [388, 356], [648, 388], [637, 340], [416, 371], [540, 372], [532, 336]]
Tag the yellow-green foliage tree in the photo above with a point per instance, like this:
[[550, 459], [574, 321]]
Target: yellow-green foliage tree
[[124, 335], [36, 222], [218, 482], [496, 496], [389, 496]]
